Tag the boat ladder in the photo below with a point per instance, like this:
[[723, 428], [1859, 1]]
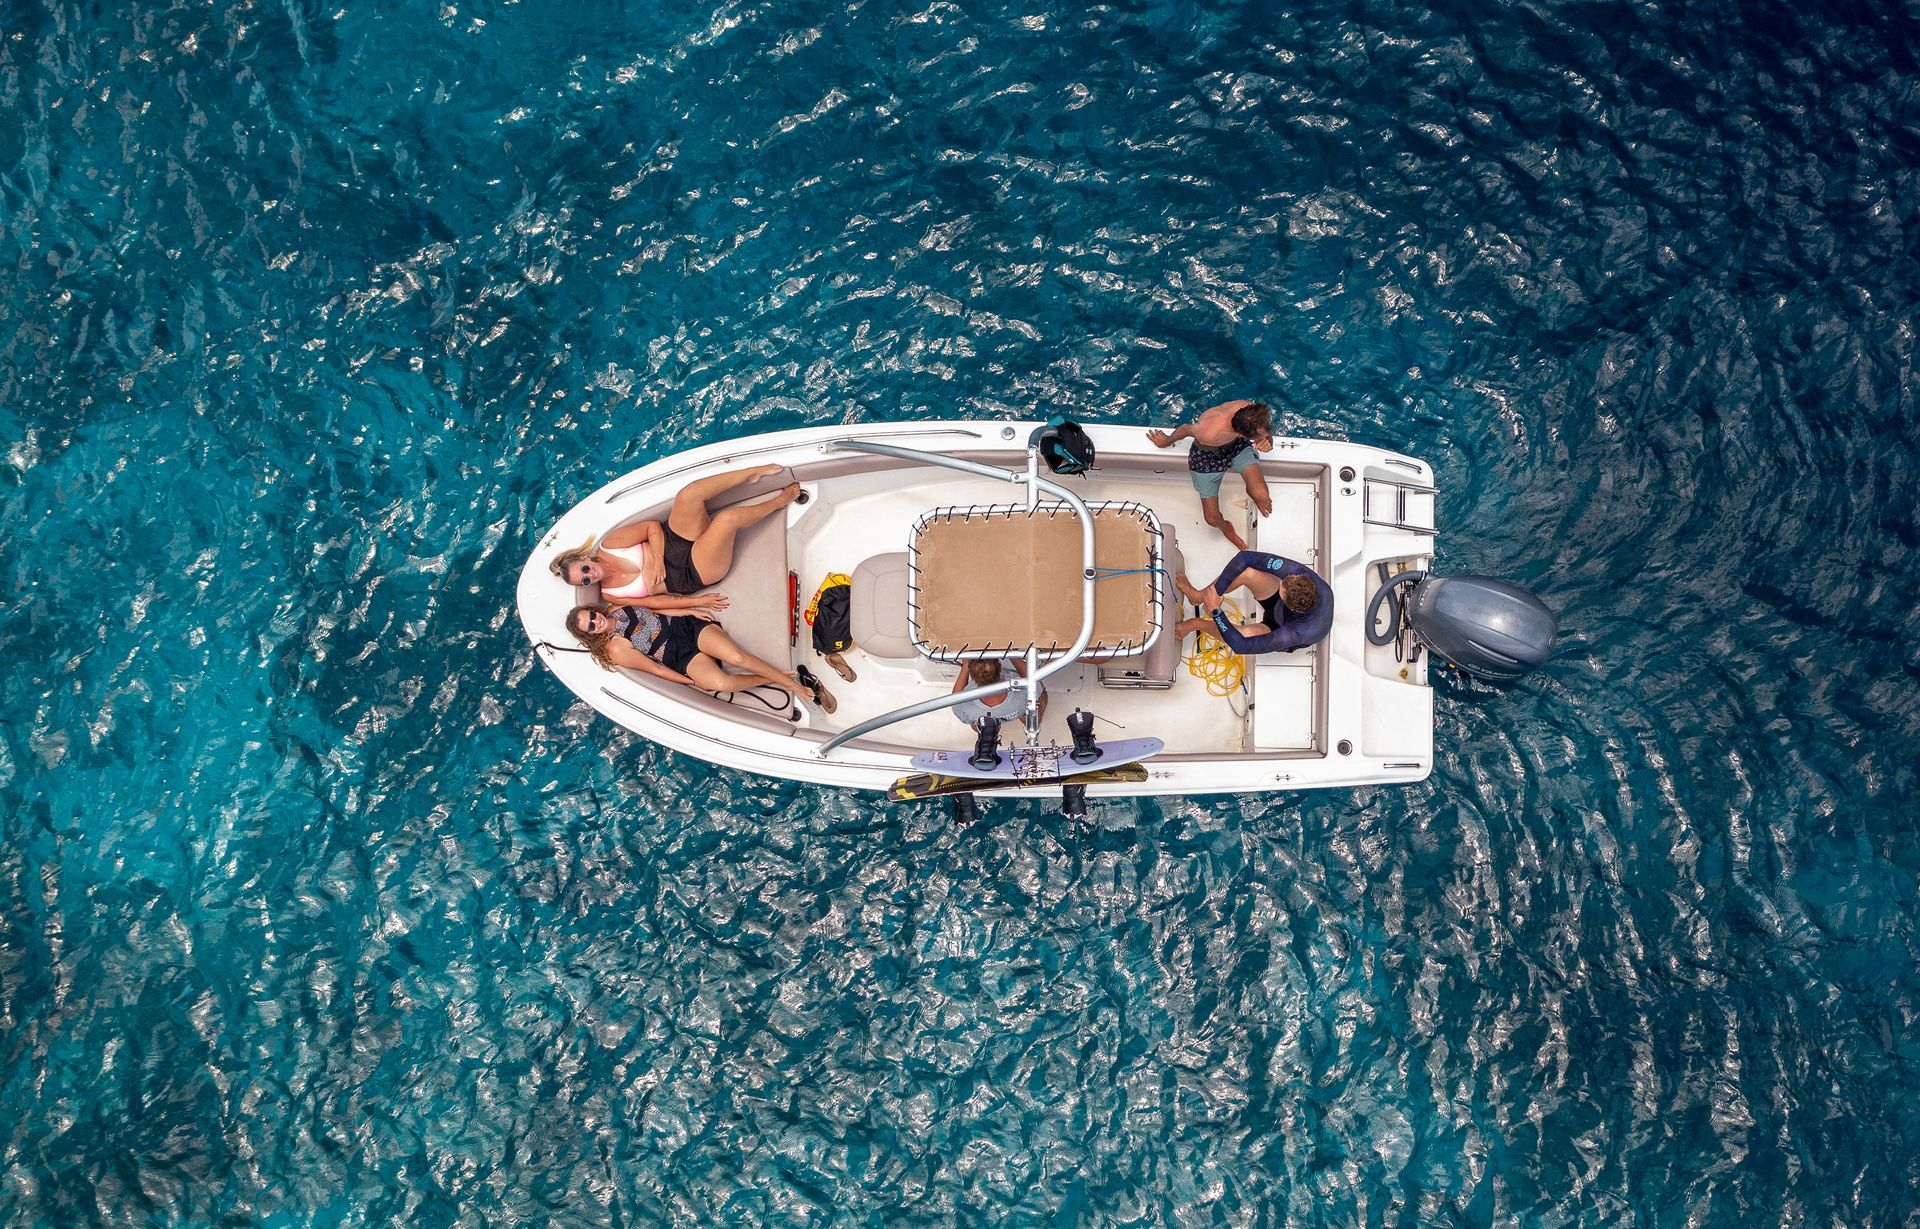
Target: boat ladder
[[1399, 505]]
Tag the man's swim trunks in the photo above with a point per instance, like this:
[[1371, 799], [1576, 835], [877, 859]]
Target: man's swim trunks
[[1207, 465]]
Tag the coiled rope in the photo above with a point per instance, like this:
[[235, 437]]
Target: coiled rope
[[1213, 663]]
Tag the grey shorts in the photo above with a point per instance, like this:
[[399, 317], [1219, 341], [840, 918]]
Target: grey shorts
[[1209, 484]]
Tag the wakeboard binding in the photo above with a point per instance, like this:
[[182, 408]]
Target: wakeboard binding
[[1085, 750]]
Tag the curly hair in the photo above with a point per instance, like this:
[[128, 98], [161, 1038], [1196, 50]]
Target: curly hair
[[1299, 593], [1253, 420]]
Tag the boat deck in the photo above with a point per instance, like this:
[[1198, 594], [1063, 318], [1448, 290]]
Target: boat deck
[[855, 517]]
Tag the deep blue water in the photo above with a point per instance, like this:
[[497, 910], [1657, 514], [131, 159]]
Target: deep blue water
[[321, 904]]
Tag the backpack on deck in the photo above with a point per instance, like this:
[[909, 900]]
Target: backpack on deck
[[830, 615]]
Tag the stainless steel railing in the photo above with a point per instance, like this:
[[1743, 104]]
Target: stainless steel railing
[[1036, 672]]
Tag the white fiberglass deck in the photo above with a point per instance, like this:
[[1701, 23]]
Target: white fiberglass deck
[[850, 519]]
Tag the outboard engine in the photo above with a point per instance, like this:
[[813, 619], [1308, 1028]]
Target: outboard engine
[[1492, 629]]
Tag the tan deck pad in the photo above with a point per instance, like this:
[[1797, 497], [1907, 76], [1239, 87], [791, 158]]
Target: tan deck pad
[[1008, 579]]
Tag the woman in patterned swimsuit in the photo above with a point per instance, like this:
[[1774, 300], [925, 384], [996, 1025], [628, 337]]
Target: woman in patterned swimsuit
[[688, 649], [1225, 437]]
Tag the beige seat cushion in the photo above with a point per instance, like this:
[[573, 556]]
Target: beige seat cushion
[[758, 614], [1154, 668], [1000, 580], [879, 607]]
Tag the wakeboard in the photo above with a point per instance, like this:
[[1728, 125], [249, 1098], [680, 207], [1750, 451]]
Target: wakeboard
[[1032, 764], [936, 785]]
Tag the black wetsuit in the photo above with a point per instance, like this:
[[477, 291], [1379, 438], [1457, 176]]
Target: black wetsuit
[[1286, 631]]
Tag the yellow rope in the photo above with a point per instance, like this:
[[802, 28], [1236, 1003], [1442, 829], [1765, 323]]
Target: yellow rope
[[1216, 665]]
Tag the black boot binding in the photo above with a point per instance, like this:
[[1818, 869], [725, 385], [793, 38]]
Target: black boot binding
[[986, 748], [1085, 750]]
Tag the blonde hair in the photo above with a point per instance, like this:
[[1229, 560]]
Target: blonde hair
[[596, 644], [567, 558]]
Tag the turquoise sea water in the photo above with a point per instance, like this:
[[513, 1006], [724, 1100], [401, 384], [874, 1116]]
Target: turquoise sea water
[[321, 904]]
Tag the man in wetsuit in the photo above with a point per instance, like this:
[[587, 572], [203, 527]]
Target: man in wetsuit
[[1296, 606]]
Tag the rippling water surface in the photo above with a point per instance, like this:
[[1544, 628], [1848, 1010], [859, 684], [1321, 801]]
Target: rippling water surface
[[320, 904]]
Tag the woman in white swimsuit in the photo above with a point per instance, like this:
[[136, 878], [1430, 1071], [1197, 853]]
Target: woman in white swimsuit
[[650, 564]]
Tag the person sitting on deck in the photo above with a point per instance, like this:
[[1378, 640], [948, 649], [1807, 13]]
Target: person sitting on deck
[[1225, 437], [1005, 706], [1296, 606], [640, 564]]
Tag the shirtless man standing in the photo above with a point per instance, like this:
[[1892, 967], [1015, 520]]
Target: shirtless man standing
[[1225, 437]]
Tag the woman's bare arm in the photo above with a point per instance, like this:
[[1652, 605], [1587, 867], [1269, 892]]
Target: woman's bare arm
[[668, 602], [655, 569]]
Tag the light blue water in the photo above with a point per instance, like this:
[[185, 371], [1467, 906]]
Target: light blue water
[[320, 904]]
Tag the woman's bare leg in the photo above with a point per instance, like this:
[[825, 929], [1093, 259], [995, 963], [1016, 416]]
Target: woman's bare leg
[[713, 548], [714, 641], [689, 516], [709, 675]]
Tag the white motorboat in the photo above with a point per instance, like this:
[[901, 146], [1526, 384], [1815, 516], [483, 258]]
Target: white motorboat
[[939, 526]]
